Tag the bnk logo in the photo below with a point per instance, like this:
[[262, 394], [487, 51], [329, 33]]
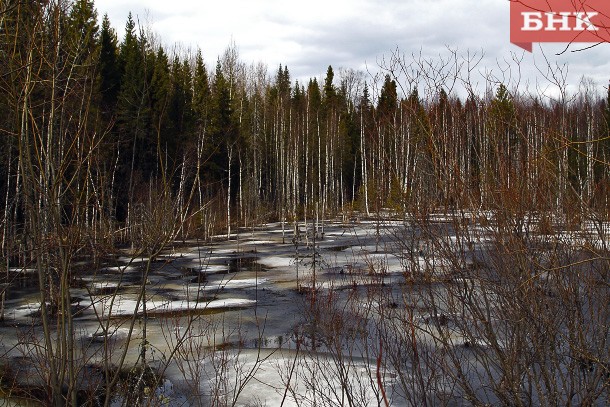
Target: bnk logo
[[559, 21]]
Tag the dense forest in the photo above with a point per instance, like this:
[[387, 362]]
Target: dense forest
[[93, 128]]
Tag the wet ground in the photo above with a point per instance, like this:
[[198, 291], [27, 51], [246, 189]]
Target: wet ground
[[249, 292], [254, 309]]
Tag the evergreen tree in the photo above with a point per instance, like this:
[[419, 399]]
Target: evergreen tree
[[222, 130], [350, 145], [160, 91], [365, 99], [502, 125], [201, 93], [388, 97], [109, 72], [84, 32], [139, 153], [329, 87], [314, 94], [282, 82], [131, 62], [298, 93], [180, 108]]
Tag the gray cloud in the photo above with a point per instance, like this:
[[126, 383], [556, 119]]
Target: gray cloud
[[309, 36]]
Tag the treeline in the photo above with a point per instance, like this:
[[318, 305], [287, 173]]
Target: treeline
[[95, 128]]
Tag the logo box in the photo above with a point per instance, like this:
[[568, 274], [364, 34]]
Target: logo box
[[567, 21]]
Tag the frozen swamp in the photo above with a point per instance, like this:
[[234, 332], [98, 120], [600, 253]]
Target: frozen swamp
[[355, 313]]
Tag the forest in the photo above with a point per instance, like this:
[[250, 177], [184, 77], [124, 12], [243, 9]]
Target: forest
[[134, 148]]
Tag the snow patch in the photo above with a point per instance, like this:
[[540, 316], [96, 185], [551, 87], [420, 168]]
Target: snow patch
[[125, 307], [234, 284]]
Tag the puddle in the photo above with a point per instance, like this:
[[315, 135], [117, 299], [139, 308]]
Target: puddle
[[250, 263], [337, 248], [19, 284]]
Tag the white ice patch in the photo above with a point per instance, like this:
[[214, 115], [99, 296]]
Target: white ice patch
[[229, 303], [119, 269], [259, 242], [104, 285], [21, 270], [113, 332], [277, 261], [214, 268], [234, 284], [124, 307], [215, 251], [23, 311]]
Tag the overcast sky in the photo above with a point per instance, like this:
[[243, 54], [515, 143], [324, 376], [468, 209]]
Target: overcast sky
[[307, 36]]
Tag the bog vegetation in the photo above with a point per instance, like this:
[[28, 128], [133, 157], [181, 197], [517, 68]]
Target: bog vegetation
[[128, 147]]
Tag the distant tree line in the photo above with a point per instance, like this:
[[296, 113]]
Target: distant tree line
[[90, 126]]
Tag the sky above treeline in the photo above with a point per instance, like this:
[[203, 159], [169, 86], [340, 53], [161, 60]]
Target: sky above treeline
[[308, 36]]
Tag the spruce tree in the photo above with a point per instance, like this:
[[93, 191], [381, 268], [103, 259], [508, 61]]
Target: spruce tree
[[388, 98], [314, 94], [84, 31], [201, 93], [329, 87], [109, 71], [138, 143], [222, 131], [160, 89]]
